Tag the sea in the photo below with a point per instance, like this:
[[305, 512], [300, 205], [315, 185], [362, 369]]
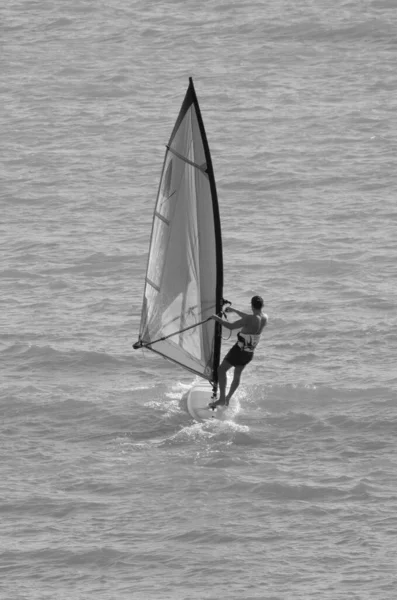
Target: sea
[[109, 490]]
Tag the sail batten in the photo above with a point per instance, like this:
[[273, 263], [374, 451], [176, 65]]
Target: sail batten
[[162, 218], [152, 284], [202, 168], [184, 278]]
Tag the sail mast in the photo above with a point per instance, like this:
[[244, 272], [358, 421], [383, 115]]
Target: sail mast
[[218, 237]]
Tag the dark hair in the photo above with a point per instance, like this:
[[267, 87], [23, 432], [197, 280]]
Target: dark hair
[[257, 302]]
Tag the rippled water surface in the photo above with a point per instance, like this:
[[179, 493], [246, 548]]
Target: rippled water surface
[[108, 489]]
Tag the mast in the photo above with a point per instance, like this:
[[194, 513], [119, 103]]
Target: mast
[[218, 237]]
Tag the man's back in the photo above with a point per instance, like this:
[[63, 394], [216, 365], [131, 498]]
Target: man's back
[[254, 324]]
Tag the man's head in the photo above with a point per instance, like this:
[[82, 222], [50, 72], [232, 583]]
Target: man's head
[[257, 302]]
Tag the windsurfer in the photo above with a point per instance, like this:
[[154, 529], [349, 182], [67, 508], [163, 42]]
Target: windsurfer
[[251, 326]]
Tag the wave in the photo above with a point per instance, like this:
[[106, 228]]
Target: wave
[[97, 264], [306, 413], [282, 490], [29, 355], [19, 274], [337, 30]]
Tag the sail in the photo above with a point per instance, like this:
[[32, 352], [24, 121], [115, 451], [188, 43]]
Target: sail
[[184, 277]]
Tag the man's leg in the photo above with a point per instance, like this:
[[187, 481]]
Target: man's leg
[[223, 369], [235, 383]]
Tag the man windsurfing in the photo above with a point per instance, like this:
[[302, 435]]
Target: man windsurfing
[[251, 326]]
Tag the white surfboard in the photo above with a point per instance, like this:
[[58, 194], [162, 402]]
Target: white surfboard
[[197, 401]]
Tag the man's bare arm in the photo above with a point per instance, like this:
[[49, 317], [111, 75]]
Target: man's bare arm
[[238, 312], [236, 325]]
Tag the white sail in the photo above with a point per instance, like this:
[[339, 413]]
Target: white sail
[[184, 276]]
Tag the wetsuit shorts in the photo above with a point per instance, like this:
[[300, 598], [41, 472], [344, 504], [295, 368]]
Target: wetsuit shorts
[[238, 357]]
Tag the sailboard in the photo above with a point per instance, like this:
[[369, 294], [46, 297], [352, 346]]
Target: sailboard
[[184, 277]]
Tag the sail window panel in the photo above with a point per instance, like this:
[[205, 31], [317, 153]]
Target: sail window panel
[[180, 292], [174, 268]]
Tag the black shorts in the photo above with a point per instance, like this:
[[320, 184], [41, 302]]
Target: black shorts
[[237, 357]]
